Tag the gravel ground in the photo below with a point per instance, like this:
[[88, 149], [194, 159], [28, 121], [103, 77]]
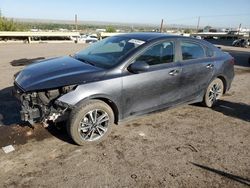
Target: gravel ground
[[188, 146]]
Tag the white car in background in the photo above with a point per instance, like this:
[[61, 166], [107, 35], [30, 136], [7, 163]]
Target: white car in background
[[88, 38]]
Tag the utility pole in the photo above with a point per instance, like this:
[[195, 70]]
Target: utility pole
[[161, 26], [198, 24], [239, 29], [76, 22]]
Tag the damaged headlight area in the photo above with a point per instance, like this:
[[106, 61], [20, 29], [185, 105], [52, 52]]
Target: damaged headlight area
[[41, 106]]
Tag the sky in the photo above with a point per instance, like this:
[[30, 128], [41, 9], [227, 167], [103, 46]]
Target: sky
[[216, 13]]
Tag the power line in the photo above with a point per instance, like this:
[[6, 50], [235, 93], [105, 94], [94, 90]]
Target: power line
[[207, 16], [225, 15]]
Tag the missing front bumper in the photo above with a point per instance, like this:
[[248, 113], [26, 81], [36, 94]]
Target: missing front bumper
[[30, 115]]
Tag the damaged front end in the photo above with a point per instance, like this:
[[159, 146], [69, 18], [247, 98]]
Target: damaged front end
[[41, 106]]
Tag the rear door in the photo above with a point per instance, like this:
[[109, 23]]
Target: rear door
[[158, 86], [197, 68]]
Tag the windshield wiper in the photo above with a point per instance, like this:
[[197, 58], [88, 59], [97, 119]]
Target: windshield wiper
[[84, 60]]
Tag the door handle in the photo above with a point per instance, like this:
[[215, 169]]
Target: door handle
[[209, 66], [174, 72]]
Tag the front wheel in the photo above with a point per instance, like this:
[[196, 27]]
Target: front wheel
[[90, 122], [213, 93]]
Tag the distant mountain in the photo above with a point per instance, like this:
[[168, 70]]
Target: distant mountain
[[101, 23], [79, 22]]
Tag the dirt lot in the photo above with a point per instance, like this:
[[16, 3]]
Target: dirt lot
[[189, 146]]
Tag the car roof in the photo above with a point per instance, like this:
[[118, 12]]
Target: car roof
[[148, 36]]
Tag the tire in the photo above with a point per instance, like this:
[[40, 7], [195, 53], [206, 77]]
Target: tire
[[90, 122], [213, 93]]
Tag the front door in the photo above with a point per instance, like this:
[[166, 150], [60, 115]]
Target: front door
[[158, 86]]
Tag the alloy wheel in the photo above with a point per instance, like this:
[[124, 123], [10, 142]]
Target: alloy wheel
[[215, 92], [93, 125]]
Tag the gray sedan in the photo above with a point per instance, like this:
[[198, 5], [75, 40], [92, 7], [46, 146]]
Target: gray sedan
[[120, 77]]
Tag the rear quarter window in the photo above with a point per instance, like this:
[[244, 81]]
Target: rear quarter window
[[209, 52]]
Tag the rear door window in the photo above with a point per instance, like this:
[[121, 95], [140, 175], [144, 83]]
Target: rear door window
[[191, 51]]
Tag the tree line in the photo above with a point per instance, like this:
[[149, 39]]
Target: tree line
[[7, 24]]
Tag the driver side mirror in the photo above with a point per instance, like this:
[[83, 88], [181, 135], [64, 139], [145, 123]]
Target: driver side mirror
[[138, 66]]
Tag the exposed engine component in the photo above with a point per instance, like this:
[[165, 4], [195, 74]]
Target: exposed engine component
[[40, 106]]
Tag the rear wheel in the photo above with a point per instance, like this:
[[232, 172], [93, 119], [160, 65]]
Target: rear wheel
[[91, 122], [213, 93]]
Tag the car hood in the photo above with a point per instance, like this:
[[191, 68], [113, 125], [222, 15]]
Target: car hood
[[56, 72]]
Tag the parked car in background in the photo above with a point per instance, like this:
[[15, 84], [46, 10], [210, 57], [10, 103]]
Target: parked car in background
[[88, 38], [120, 77], [241, 43]]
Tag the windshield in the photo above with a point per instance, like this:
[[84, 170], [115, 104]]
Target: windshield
[[108, 52]]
